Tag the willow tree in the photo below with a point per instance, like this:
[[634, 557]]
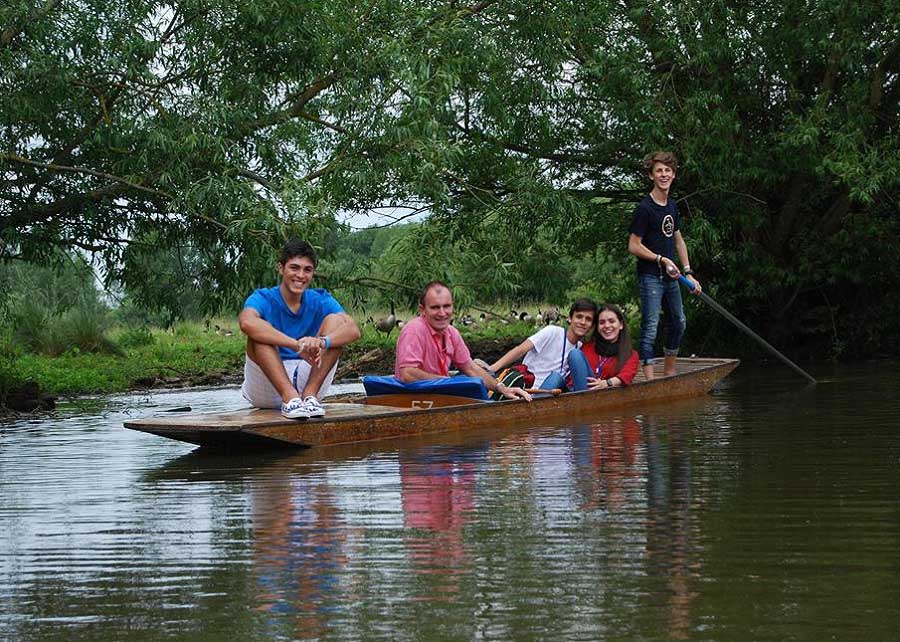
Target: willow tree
[[224, 126], [513, 124], [786, 117]]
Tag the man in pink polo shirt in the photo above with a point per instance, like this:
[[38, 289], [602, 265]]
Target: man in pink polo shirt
[[428, 346]]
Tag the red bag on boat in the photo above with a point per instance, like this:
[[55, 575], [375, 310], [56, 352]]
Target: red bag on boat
[[515, 376], [526, 374]]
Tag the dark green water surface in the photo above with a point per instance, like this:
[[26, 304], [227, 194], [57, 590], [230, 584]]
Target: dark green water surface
[[765, 511]]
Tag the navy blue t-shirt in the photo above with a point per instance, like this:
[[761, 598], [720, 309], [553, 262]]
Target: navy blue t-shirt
[[315, 305], [656, 225]]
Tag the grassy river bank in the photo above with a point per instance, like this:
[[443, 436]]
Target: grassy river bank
[[191, 354]]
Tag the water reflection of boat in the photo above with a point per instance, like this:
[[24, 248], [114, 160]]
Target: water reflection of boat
[[370, 419], [319, 529]]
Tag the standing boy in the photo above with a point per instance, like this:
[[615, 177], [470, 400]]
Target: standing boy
[[655, 239]]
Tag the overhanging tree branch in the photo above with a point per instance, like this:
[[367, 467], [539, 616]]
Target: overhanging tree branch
[[10, 33], [888, 61], [15, 158], [324, 123], [295, 110]]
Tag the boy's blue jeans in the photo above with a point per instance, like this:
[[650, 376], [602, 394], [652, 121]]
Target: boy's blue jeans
[[660, 294], [579, 368]]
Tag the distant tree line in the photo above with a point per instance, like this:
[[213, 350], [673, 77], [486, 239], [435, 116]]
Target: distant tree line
[[177, 143]]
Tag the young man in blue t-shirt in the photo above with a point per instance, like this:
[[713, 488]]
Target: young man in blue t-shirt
[[294, 338], [655, 239]]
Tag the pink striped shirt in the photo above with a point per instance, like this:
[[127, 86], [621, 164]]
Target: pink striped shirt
[[421, 346]]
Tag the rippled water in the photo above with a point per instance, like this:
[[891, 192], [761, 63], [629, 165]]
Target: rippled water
[[767, 510]]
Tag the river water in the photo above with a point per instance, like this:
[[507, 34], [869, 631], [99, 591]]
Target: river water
[[766, 511]]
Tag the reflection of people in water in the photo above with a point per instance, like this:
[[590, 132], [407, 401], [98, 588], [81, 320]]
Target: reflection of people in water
[[670, 528], [298, 555], [605, 457], [438, 493], [608, 469]]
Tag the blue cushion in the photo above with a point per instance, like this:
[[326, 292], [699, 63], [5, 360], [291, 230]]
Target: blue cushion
[[472, 387]]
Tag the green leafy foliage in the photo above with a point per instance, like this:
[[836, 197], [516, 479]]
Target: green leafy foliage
[[180, 143], [188, 355], [53, 312], [85, 329], [11, 377], [34, 327], [136, 337]]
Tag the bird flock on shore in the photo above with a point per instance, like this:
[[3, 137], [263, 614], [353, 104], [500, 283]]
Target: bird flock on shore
[[385, 325]]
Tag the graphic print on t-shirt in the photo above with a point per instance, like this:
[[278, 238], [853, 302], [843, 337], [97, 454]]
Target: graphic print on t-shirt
[[668, 225]]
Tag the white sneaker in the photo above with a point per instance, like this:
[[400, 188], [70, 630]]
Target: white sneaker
[[312, 407], [294, 409]]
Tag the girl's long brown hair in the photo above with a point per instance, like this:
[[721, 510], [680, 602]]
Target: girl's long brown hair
[[624, 342]]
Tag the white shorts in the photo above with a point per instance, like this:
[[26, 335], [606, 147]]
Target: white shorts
[[259, 391]]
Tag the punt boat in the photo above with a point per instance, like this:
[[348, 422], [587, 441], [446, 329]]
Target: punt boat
[[359, 418]]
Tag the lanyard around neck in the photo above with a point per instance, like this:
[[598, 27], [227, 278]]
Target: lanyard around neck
[[601, 363], [562, 358], [442, 352]]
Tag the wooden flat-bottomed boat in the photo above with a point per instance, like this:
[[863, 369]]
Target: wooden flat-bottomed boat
[[389, 416]]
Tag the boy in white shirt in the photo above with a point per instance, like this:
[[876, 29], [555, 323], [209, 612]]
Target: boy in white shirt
[[546, 352]]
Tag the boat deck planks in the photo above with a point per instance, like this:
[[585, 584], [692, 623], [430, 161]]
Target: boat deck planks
[[364, 421], [260, 417]]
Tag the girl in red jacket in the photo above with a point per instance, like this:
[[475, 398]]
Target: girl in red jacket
[[610, 360]]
